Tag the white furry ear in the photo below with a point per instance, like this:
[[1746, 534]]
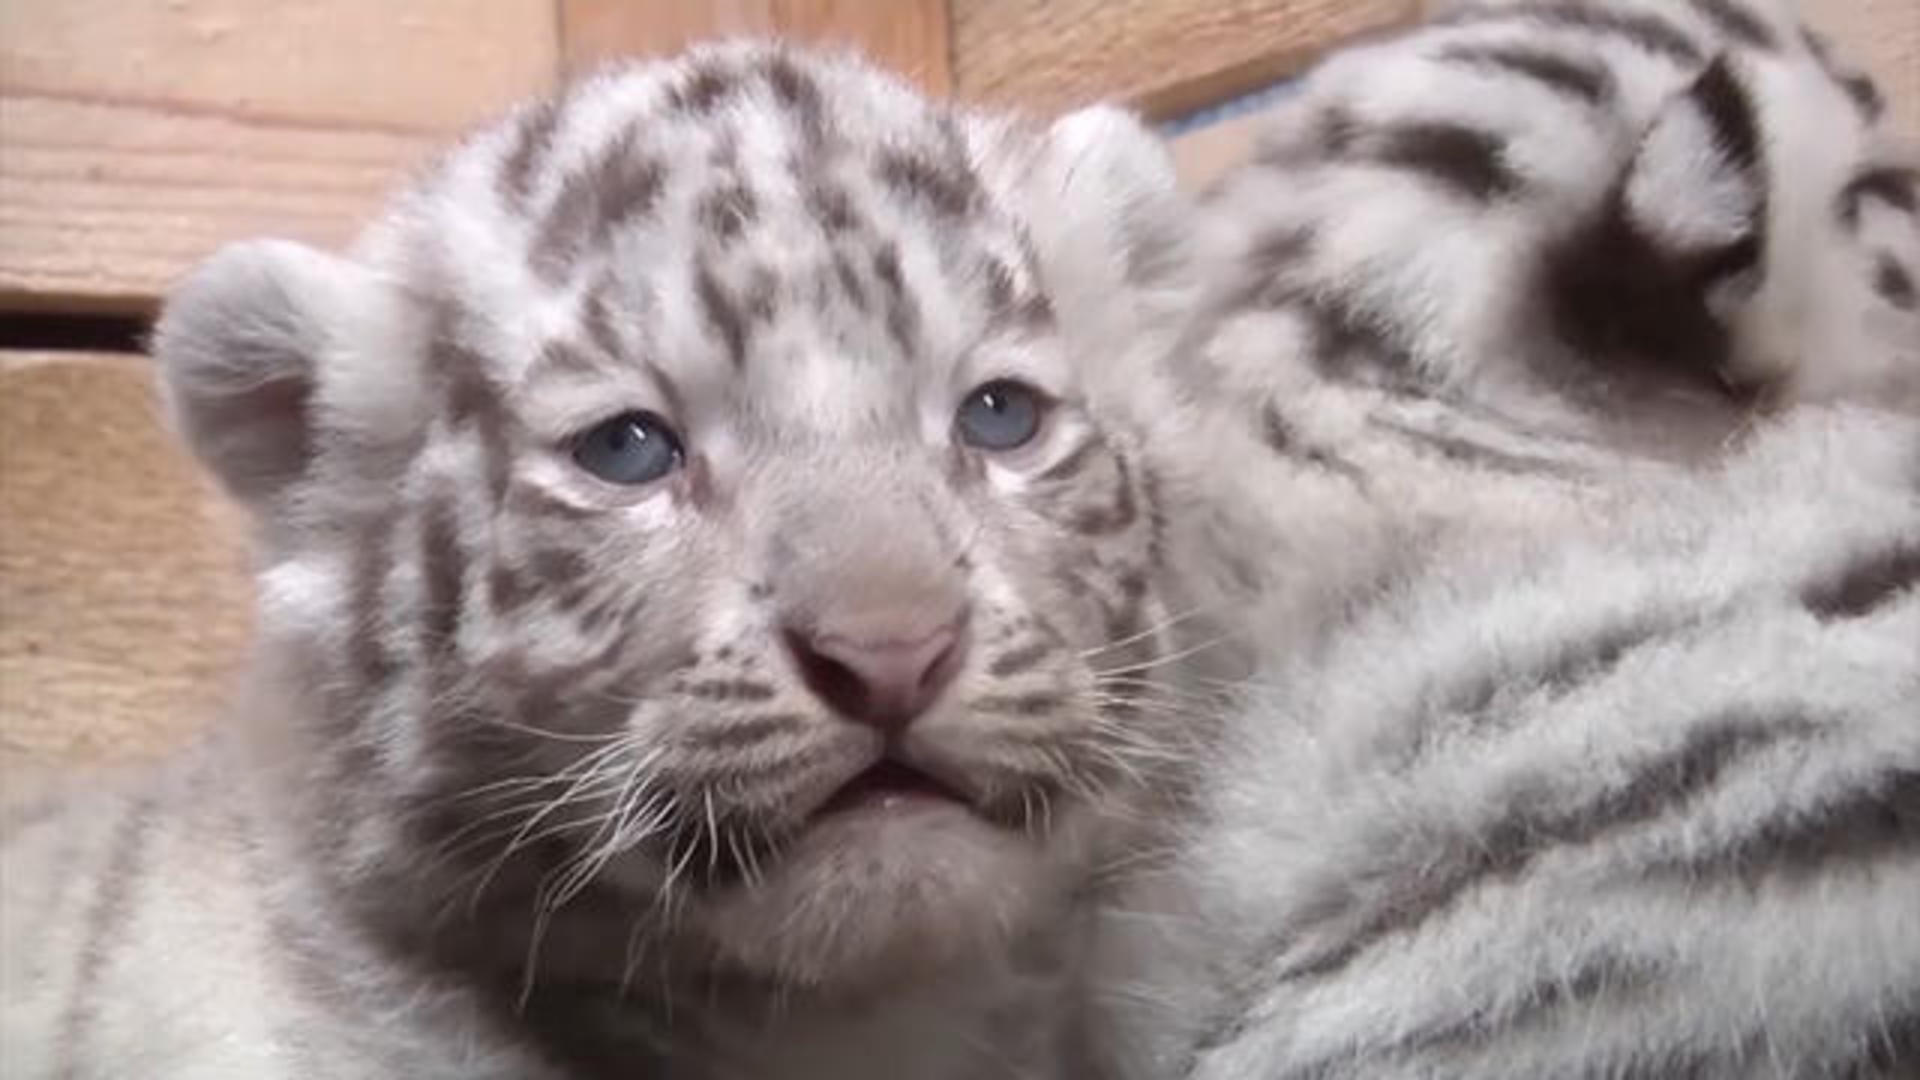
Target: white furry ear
[[1695, 186], [242, 345], [1102, 204]]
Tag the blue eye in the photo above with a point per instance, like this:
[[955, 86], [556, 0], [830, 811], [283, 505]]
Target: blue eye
[[1000, 415], [631, 449]]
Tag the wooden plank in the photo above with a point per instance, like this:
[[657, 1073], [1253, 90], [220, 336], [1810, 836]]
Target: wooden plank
[[140, 136], [909, 36], [125, 592], [1164, 56]]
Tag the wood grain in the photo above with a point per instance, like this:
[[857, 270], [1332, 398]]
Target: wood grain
[[1164, 56], [124, 586], [139, 136], [909, 36]]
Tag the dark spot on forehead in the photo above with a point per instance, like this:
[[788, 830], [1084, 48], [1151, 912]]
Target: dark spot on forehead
[[999, 285], [902, 314], [849, 278], [796, 90], [728, 209], [596, 314], [621, 183], [704, 88], [830, 205], [533, 139], [943, 183], [761, 297], [721, 313]]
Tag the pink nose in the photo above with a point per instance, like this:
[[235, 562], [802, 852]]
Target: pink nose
[[882, 678]]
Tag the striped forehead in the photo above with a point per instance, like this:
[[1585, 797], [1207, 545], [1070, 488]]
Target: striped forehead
[[787, 227]]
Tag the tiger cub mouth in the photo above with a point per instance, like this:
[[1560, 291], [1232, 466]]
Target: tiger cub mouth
[[890, 785]]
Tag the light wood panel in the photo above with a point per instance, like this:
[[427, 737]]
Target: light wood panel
[[910, 36], [1165, 56], [124, 582], [139, 136]]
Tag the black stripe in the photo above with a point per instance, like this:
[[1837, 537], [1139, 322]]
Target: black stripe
[[1592, 85], [1564, 666], [1897, 187], [1859, 88], [721, 313], [1500, 850], [1862, 826], [1649, 32], [1893, 283], [533, 139], [1866, 584], [1729, 112], [1460, 158], [1738, 23]]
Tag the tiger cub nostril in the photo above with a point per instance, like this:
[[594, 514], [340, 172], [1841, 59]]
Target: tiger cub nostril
[[886, 676]]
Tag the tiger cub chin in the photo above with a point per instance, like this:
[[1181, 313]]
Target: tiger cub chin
[[712, 589]]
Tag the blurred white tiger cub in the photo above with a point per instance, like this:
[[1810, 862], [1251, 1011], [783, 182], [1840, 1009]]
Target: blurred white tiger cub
[[1584, 739]]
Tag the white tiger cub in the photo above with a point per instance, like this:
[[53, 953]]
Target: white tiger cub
[[711, 593], [1585, 740]]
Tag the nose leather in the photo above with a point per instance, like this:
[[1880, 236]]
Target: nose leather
[[884, 674]]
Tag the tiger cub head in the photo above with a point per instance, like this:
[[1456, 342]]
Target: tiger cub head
[[697, 514]]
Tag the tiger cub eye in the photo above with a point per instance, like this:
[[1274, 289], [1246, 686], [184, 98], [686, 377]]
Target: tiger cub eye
[[630, 449], [1000, 415]]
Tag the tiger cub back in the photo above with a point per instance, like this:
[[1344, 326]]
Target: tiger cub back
[[1632, 221]]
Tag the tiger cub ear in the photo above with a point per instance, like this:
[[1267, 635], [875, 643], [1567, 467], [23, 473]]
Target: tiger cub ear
[[1696, 188], [1101, 203], [245, 346]]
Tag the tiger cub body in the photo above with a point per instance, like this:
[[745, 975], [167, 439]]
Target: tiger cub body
[[1581, 738]]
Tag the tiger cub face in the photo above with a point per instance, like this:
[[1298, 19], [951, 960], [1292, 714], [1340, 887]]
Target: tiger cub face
[[693, 515]]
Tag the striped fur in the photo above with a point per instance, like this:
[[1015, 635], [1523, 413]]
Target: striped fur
[[1625, 221], [1579, 737], [1642, 800]]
